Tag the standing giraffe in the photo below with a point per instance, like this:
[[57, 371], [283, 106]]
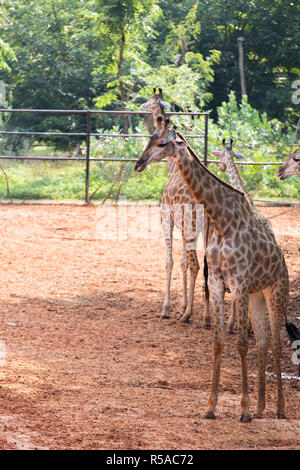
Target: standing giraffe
[[241, 257], [179, 209], [291, 166]]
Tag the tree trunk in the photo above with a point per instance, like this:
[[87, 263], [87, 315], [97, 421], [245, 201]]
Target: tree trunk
[[121, 84], [241, 65]]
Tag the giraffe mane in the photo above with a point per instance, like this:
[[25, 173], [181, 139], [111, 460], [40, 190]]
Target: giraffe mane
[[197, 159]]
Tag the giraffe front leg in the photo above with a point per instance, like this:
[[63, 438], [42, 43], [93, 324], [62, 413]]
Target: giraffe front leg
[[257, 313], [169, 267], [193, 269], [241, 299], [167, 226], [217, 292]]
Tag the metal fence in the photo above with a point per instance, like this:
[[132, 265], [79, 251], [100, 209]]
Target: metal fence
[[88, 134]]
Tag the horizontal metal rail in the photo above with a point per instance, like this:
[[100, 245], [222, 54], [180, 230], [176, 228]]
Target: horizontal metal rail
[[93, 111], [76, 159], [82, 134]]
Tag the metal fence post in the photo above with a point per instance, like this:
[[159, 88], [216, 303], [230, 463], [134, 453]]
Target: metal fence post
[[87, 165], [205, 139]]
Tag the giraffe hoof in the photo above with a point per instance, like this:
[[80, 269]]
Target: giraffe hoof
[[164, 315], [185, 319], [281, 416], [245, 418], [165, 311], [209, 415]]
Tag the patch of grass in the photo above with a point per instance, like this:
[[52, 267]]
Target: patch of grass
[[66, 181], [63, 180]]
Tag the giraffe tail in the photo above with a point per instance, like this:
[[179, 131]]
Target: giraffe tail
[[205, 273], [292, 331]]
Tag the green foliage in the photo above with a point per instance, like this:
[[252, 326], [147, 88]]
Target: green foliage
[[78, 54], [56, 46], [259, 139], [271, 32], [6, 53]]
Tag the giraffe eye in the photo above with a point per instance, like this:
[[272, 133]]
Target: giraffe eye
[[163, 144]]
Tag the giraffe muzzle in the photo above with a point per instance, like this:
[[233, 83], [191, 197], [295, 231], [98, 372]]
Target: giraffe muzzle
[[281, 174], [139, 167]]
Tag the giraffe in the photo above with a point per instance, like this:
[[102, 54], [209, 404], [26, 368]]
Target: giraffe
[[178, 208], [241, 257], [227, 163], [291, 166]]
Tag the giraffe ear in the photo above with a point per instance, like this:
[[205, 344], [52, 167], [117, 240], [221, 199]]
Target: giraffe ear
[[180, 144], [238, 156], [164, 104], [145, 106], [217, 153]]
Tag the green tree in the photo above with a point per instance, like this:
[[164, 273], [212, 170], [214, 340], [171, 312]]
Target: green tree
[[57, 47], [124, 25], [6, 52], [138, 58], [271, 32]]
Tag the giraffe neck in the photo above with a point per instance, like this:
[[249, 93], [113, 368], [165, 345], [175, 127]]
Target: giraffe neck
[[156, 109], [236, 180], [172, 167], [221, 202]]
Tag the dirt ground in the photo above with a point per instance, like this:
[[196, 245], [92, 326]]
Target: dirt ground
[[86, 362]]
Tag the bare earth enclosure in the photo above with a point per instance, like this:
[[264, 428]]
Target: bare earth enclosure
[[86, 362]]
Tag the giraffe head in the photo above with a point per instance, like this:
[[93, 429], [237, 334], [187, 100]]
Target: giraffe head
[[291, 166], [162, 144], [226, 154], [156, 105]]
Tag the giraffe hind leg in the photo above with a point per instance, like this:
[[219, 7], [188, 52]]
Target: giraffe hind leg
[[184, 267], [216, 289], [276, 298], [241, 299]]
